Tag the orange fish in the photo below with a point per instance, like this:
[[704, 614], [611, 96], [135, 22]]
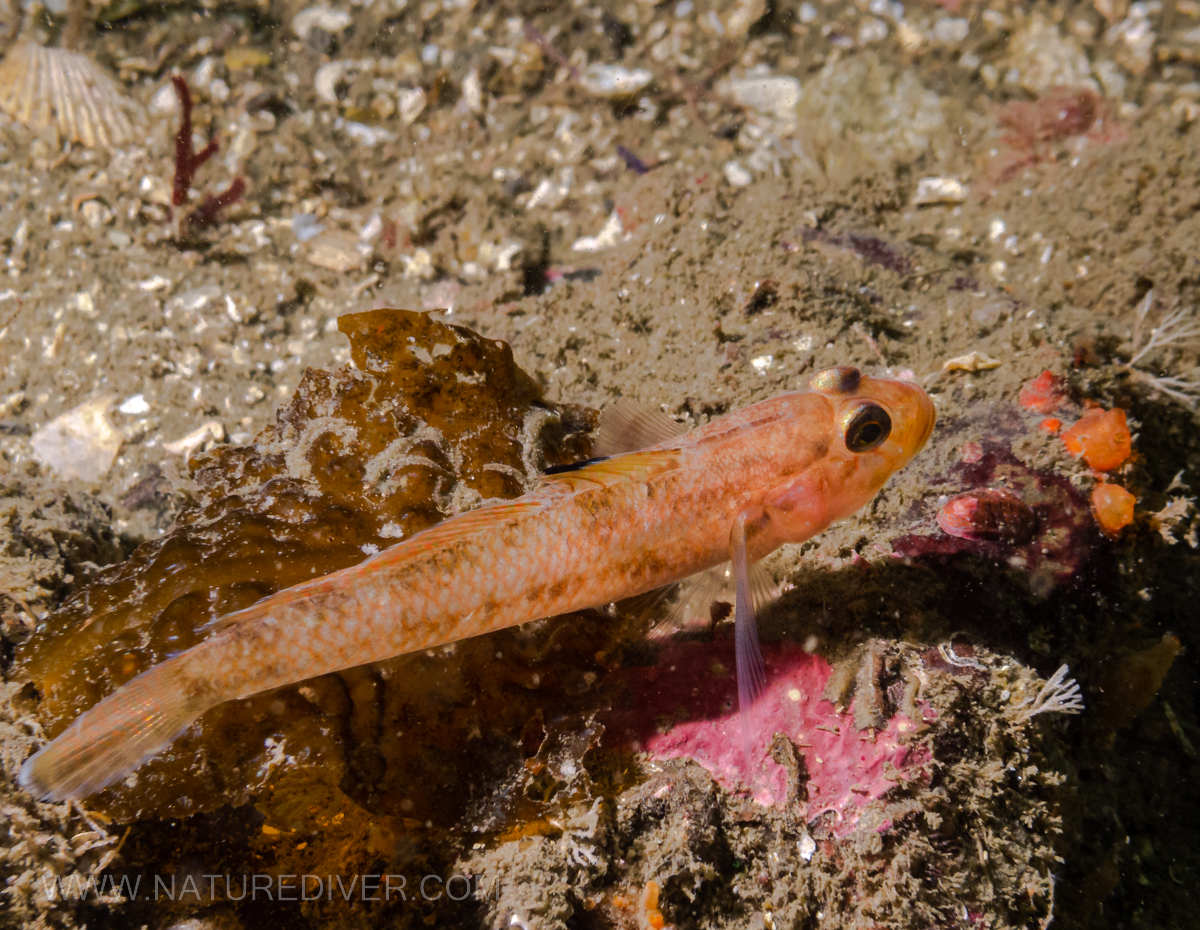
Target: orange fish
[[778, 471]]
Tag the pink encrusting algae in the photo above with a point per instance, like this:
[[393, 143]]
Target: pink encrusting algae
[[846, 767], [735, 489]]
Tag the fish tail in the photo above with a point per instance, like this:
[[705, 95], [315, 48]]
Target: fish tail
[[110, 740]]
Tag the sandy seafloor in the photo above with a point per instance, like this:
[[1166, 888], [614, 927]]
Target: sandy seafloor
[[756, 209]]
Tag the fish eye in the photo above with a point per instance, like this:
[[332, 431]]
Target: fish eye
[[866, 428]]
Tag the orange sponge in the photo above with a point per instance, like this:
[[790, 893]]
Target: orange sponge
[[1101, 437]]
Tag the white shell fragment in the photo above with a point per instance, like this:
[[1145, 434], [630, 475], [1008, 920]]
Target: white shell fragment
[[208, 432], [81, 444], [972, 361], [736, 175], [54, 87], [331, 21], [326, 79], [609, 235], [776, 97], [412, 103], [134, 406], [939, 190], [613, 81], [338, 251]]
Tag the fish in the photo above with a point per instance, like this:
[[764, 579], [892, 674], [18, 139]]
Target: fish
[[654, 506]]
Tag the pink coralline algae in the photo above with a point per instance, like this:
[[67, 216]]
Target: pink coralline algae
[[695, 688]]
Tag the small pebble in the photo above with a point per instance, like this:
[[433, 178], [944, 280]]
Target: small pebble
[[939, 190], [614, 81], [736, 175]]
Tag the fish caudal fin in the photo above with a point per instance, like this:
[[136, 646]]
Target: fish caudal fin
[[110, 740]]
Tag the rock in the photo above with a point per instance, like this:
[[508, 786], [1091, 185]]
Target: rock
[[1044, 58], [80, 445]]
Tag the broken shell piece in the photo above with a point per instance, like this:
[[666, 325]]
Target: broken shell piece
[[331, 21], [613, 81], [776, 96], [338, 251], [939, 190], [208, 432], [610, 234], [988, 514], [80, 445], [54, 87], [972, 361], [419, 265], [134, 406], [326, 80], [412, 104]]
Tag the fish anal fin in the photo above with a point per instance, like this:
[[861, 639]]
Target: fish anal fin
[[629, 426]]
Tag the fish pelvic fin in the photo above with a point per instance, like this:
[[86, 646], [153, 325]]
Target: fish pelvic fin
[[110, 740], [751, 671]]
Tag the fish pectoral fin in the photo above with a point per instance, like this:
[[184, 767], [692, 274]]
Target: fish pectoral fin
[[697, 602], [628, 426], [635, 466], [751, 671]]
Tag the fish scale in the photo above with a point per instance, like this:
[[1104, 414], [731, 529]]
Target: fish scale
[[735, 489]]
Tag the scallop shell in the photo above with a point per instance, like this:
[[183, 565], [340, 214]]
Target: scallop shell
[[988, 514], [43, 87]]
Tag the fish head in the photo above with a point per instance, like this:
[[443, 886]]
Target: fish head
[[876, 426]]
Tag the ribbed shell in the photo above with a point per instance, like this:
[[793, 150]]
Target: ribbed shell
[[43, 87]]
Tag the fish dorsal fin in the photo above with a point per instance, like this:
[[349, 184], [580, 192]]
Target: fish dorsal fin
[[628, 426], [635, 466], [487, 517]]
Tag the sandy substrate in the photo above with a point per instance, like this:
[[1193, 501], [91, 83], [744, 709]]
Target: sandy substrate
[[879, 185]]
